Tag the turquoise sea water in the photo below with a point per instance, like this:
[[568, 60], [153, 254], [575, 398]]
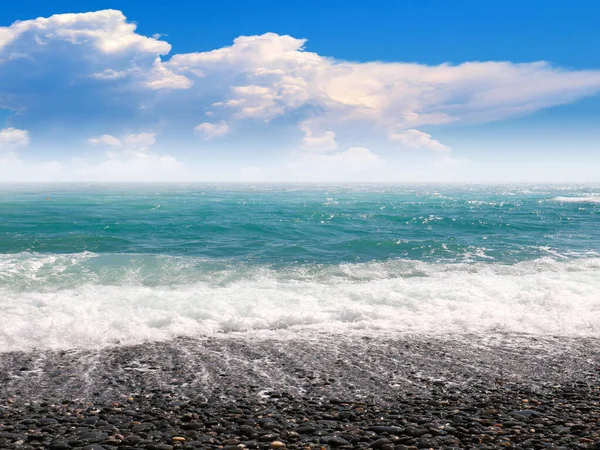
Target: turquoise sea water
[[291, 225], [140, 262]]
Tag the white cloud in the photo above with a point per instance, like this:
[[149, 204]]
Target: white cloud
[[11, 138], [355, 158], [212, 130], [110, 74], [127, 159], [106, 139], [108, 31], [418, 139], [270, 75], [140, 140], [124, 155], [134, 162], [99, 66], [71, 69], [162, 78], [318, 141]]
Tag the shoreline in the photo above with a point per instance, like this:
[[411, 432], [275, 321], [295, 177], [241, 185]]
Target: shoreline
[[324, 390]]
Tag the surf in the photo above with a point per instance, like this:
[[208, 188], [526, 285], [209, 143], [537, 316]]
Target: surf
[[90, 300]]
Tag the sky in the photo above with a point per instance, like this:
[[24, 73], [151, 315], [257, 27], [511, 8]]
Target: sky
[[386, 91]]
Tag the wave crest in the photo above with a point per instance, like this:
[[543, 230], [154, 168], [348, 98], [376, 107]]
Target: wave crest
[[595, 199], [89, 300]]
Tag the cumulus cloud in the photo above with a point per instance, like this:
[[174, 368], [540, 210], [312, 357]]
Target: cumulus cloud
[[318, 141], [124, 159], [11, 138], [212, 130], [161, 77], [106, 139], [129, 165], [68, 70], [140, 140], [418, 139], [109, 74], [270, 75], [108, 32], [355, 158], [125, 156]]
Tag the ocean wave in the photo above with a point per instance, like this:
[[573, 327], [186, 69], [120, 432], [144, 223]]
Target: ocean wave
[[584, 199], [91, 300]]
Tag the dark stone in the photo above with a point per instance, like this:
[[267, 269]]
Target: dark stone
[[247, 430], [380, 443], [12, 436], [47, 421], [524, 413], [132, 439], [59, 445], [426, 443], [94, 447], [269, 437], [265, 420], [92, 437], [320, 433], [334, 441], [415, 432], [142, 427], [384, 429]]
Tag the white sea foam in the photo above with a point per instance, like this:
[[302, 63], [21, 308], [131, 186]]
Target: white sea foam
[[583, 199], [81, 301]]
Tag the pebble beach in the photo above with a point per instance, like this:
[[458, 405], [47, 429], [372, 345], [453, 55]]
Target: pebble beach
[[306, 391]]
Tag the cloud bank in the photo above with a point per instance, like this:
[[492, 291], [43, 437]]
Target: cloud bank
[[125, 107]]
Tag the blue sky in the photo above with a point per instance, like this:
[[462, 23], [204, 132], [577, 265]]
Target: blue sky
[[319, 91]]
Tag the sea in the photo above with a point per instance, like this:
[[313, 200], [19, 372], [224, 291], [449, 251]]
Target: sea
[[96, 265]]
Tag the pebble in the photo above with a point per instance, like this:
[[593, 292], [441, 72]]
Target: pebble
[[476, 413], [335, 441]]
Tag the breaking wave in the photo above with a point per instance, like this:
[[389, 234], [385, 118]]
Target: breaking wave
[[585, 199], [92, 300]]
